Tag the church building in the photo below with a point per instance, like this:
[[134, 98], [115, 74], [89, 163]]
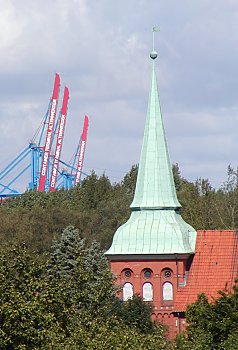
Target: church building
[[156, 254]]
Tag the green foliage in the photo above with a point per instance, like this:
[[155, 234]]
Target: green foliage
[[134, 312], [228, 200], [65, 254], [231, 342], [97, 208], [66, 298], [68, 302], [199, 316], [24, 322], [82, 276], [129, 181], [112, 333], [212, 326]]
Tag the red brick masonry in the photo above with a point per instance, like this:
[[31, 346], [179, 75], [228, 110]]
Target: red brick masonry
[[213, 267]]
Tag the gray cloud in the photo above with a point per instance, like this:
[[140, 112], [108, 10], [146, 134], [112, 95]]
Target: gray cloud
[[100, 48]]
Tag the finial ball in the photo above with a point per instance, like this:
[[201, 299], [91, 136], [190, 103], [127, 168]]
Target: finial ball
[[153, 55]]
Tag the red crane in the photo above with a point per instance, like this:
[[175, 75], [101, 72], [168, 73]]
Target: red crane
[[59, 141], [81, 151], [49, 135]]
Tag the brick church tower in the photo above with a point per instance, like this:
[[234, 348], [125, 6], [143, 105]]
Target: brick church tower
[[156, 254]]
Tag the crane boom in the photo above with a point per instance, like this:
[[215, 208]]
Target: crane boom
[[81, 151], [49, 135], [59, 141]]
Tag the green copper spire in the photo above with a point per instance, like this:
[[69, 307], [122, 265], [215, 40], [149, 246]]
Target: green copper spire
[[155, 184], [155, 226]]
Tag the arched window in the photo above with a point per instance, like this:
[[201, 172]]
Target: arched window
[[127, 273], [147, 273], [166, 273], [127, 291], [147, 291], [167, 291]]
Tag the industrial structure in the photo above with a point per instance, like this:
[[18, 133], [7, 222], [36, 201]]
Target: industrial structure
[[156, 254], [41, 159]]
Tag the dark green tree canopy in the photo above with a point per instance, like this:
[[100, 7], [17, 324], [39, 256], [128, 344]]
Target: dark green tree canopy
[[98, 207], [68, 301], [212, 325]]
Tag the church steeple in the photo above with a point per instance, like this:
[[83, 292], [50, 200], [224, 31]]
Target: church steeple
[[155, 226], [155, 185]]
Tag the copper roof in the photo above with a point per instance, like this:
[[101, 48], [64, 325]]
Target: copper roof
[[155, 225]]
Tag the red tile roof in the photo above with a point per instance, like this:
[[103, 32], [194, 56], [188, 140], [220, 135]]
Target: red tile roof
[[214, 267]]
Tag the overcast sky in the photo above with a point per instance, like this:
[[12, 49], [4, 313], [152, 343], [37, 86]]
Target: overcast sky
[[101, 49]]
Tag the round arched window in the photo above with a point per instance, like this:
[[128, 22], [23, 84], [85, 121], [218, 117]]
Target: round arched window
[[147, 273], [127, 291], [147, 291], [127, 273], [167, 291], [167, 273]]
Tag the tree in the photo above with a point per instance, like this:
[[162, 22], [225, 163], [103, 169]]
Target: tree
[[24, 321], [212, 325], [82, 274], [68, 302], [94, 191], [134, 312], [112, 333], [93, 317], [227, 208], [129, 181]]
